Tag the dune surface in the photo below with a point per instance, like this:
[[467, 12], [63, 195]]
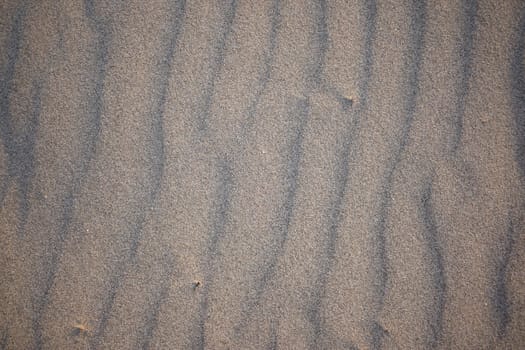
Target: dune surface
[[268, 174]]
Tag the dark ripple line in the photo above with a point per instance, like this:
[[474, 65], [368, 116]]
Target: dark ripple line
[[273, 336], [334, 215], [50, 268], [500, 298], [292, 180], [158, 160], [61, 30], [501, 303], [4, 339], [436, 262], [284, 213], [95, 113], [26, 157], [264, 78], [219, 218], [413, 66], [115, 282], [101, 61], [346, 156], [322, 38], [220, 53], [4, 186], [517, 76], [12, 46], [152, 316], [469, 26]]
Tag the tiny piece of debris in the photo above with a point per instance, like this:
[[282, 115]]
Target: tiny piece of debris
[[196, 284], [79, 328], [347, 102]]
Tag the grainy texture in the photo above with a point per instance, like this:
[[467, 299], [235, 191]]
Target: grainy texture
[[262, 174]]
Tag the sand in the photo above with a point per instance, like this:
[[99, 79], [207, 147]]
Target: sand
[[262, 174]]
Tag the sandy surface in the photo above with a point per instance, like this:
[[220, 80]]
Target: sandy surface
[[262, 174]]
